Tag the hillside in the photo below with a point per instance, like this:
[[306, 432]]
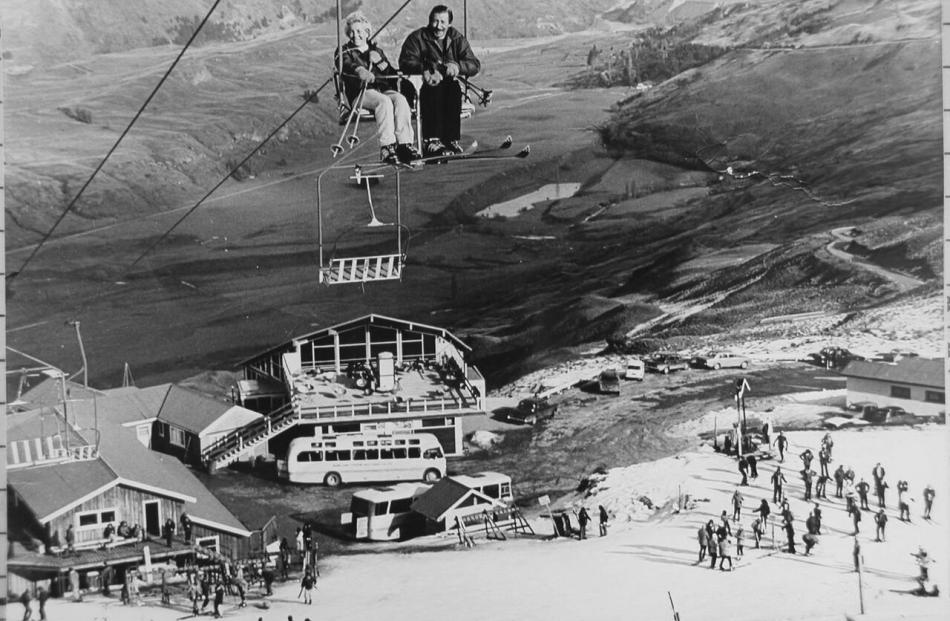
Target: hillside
[[706, 203]]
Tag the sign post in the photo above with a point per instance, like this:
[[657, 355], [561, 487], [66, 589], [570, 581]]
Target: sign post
[[545, 502]]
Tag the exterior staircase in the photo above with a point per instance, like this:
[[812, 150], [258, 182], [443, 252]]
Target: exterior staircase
[[231, 447]]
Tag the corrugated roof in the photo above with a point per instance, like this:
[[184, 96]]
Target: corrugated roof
[[191, 410], [918, 371], [441, 497], [371, 318]]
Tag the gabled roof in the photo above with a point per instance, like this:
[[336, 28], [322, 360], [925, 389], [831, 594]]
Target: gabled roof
[[918, 371], [54, 489], [443, 497], [372, 318], [50, 392], [191, 410], [50, 489]]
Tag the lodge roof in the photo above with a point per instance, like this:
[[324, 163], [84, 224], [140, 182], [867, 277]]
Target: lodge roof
[[53, 489], [918, 371], [194, 411], [371, 318]]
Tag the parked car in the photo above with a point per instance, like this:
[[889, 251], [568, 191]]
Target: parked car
[[530, 411], [895, 410], [664, 363], [720, 360], [837, 357], [635, 369]]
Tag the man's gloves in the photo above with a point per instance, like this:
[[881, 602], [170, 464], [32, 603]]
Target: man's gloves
[[365, 75], [432, 77], [451, 69]]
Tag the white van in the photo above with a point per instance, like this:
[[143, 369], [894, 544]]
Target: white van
[[635, 369]]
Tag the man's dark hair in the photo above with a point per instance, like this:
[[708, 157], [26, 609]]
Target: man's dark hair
[[440, 8]]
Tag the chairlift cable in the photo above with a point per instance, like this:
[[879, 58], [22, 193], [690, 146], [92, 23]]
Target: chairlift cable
[[307, 100], [102, 163]]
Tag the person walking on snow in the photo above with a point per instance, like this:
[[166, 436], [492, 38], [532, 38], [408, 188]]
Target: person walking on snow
[[582, 519], [603, 520], [807, 456], [736, 505], [808, 477], [880, 520], [863, 488], [823, 460], [839, 480], [929, 494], [744, 470], [703, 536], [782, 443], [724, 553], [778, 479], [753, 467]]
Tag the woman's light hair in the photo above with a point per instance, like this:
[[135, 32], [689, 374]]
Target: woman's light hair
[[356, 20]]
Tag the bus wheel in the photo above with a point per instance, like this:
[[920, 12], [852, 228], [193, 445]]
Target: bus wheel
[[431, 475], [332, 479]]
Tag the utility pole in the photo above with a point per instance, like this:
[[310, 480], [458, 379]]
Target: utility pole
[[82, 352]]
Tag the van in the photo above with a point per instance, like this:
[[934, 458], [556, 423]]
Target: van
[[635, 369], [609, 382]]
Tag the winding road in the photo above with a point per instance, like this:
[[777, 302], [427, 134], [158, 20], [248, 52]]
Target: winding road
[[842, 235]]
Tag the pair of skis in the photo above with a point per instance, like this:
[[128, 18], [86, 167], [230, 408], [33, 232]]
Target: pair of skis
[[471, 153]]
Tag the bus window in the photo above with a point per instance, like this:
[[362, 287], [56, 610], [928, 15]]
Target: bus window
[[432, 453], [386, 454], [310, 456], [400, 505], [414, 452], [372, 454], [505, 490], [492, 491], [399, 453], [359, 454], [382, 508], [338, 455]]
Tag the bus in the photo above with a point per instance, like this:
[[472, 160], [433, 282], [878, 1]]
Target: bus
[[385, 513], [363, 456]]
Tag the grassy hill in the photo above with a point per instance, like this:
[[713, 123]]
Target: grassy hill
[[827, 114]]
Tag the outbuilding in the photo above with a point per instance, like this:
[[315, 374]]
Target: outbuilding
[[915, 384]]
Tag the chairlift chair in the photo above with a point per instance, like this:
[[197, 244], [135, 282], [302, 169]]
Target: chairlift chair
[[367, 268]]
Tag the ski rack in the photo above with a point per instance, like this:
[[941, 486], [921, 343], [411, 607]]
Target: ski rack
[[362, 269]]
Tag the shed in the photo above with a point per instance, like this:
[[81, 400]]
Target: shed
[[915, 384]]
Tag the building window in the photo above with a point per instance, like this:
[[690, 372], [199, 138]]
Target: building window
[[209, 543], [176, 436], [900, 392], [934, 396], [89, 520]]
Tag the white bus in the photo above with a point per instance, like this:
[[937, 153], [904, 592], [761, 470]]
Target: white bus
[[385, 513], [363, 456]]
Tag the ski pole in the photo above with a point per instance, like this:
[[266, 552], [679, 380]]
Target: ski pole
[[353, 139], [338, 147]]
